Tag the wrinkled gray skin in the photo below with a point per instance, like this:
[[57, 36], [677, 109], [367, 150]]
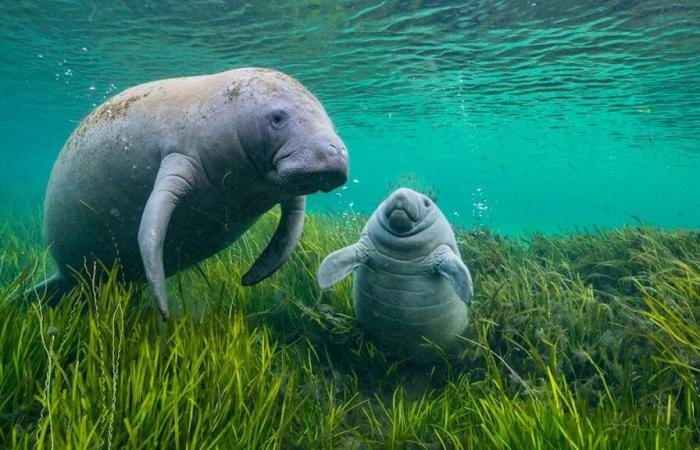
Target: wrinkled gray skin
[[410, 282], [168, 173]]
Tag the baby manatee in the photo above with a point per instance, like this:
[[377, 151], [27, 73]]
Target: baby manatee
[[410, 282], [167, 173]]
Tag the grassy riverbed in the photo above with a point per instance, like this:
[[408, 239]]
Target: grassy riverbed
[[578, 341]]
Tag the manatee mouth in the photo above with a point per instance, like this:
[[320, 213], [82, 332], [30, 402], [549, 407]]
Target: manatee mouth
[[310, 167], [402, 212], [303, 183], [406, 212], [400, 220], [309, 183], [285, 153]]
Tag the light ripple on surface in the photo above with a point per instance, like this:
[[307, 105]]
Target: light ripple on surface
[[476, 75]]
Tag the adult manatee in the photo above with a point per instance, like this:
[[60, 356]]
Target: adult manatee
[[167, 173], [410, 282]]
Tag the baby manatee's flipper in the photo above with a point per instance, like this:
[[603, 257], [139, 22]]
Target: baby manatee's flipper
[[447, 263], [178, 176], [341, 263], [281, 245], [51, 290]]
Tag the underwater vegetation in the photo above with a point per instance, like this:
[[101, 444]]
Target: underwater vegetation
[[581, 341]]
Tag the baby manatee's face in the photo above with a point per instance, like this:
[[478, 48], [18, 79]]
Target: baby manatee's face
[[406, 212], [288, 136]]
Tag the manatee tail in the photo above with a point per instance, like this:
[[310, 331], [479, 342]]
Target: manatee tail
[[51, 290]]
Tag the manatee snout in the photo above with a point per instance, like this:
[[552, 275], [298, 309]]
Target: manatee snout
[[403, 210], [321, 163], [332, 163]]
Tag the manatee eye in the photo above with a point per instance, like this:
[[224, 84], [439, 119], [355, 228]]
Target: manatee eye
[[426, 202], [277, 118]]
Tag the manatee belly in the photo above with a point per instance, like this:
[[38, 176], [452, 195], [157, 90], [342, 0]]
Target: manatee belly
[[83, 229], [401, 310], [96, 196]]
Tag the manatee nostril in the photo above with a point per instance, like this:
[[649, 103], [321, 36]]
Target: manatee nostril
[[333, 150]]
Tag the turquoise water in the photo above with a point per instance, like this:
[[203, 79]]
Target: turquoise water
[[519, 115]]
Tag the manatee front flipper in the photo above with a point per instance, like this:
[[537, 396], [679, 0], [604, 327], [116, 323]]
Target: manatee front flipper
[[281, 245], [341, 263], [178, 176], [447, 263]]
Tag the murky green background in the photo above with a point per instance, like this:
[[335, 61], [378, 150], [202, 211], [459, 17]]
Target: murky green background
[[521, 115]]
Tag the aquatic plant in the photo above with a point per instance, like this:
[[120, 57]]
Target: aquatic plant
[[586, 340], [412, 181]]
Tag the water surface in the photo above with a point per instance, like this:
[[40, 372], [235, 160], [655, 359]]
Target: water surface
[[519, 115]]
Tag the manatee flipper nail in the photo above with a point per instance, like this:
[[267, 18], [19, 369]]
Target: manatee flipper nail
[[282, 244], [178, 176], [449, 265], [341, 263]]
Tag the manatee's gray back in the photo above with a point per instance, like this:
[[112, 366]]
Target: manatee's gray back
[[398, 298]]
